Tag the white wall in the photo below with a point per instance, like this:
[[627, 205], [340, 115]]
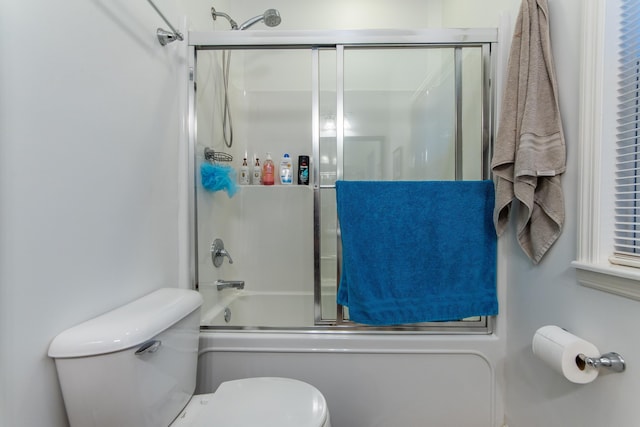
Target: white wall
[[550, 294], [90, 122]]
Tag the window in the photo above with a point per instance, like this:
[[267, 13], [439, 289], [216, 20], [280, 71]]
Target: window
[[627, 193], [609, 208]]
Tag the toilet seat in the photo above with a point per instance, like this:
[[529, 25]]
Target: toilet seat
[[277, 402]]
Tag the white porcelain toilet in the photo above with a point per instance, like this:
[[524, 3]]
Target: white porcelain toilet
[[136, 366]]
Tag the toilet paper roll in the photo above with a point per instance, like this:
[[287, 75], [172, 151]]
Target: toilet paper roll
[[559, 349]]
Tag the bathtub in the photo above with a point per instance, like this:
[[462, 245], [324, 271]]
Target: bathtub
[[265, 310], [368, 380], [244, 308], [373, 378]]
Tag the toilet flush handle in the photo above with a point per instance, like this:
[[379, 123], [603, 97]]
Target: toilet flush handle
[[150, 346]]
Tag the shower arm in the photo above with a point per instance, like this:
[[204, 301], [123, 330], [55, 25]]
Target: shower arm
[[215, 14], [271, 18], [250, 22], [164, 36]]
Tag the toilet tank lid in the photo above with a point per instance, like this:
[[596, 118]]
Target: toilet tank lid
[[126, 326]]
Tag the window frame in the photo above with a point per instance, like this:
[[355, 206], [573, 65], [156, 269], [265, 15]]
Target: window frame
[[596, 159]]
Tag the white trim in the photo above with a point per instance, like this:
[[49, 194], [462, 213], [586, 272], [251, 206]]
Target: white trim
[[347, 37], [592, 267], [184, 240], [619, 280], [591, 111]]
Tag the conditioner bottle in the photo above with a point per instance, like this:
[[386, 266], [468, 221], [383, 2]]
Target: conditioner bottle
[[244, 173], [256, 176], [286, 170]]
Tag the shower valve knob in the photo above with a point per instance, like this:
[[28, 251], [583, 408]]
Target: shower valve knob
[[218, 252]]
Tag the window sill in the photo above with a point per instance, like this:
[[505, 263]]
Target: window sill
[[614, 279]]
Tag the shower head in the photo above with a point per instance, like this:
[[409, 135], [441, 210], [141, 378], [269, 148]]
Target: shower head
[[271, 18], [214, 15]]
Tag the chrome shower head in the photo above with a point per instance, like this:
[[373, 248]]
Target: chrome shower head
[[214, 15], [271, 18]]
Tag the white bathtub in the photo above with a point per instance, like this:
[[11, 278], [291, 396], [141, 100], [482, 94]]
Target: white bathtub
[[369, 379], [262, 309]]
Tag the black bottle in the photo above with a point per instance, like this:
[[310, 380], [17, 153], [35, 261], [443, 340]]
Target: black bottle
[[303, 170]]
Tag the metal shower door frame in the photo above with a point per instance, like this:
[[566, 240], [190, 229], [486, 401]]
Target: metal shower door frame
[[484, 38], [488, 72]]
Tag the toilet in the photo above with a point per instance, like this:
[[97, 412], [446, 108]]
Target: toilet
[[136, 366]]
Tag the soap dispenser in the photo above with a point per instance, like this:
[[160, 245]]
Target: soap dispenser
[[268, 171]]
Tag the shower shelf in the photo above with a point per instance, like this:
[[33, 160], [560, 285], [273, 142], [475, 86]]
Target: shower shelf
[[287, 186]]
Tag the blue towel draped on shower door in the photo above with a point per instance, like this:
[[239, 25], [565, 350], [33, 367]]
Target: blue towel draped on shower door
[[417, 251]]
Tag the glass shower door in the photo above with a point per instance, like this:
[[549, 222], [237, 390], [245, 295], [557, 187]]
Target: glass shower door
[[267, 230], [395, 113], [362, 112]]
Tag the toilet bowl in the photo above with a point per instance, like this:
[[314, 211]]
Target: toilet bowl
[[280, 402], [136, 366]]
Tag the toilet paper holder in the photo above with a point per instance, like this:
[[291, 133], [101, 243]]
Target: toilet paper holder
[[612, 361]]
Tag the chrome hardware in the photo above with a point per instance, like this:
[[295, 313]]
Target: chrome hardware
[[165, 36], [215, 14], [150, 346], [226, 284], [218, 252], [612, 361], [216, 156]]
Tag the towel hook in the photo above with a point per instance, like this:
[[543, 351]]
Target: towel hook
[[612, 361]]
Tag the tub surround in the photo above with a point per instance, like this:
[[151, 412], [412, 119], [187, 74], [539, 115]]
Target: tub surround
[[450, 381]]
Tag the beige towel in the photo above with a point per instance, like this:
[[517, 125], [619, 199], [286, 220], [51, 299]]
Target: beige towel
[[529, 154]]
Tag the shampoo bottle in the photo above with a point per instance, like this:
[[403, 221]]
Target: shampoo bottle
[[244, 172], [268, 171], [256, 176], [286, 170], [303, 170]]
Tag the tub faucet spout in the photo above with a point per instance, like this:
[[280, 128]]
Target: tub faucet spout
[[226, 284]]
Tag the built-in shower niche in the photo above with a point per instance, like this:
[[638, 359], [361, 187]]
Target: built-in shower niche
[[361, 112]]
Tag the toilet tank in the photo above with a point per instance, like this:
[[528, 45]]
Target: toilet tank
[[105, 383]]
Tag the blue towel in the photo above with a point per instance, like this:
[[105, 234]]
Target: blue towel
[[417, 251], [218, 177]]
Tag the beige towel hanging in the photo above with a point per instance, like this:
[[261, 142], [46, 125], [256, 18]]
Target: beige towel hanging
[[530, 154]]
